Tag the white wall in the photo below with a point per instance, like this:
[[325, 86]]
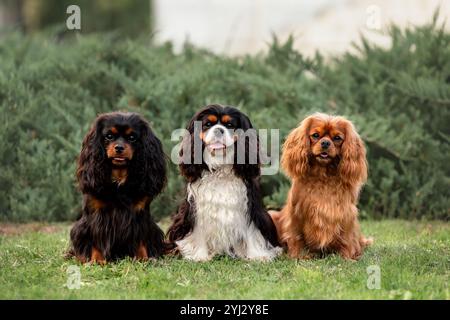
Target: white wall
[[237, 27]]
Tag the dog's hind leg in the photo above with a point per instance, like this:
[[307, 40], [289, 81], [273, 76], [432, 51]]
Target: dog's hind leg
[[141, 253], [97, 257], [365, 242]]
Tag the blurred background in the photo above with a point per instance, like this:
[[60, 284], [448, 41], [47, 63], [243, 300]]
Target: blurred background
[[233, 27], [238, 27], [383, 64], [129, 17]]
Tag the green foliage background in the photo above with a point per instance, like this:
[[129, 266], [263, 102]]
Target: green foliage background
[[126, 17], [51, 90]]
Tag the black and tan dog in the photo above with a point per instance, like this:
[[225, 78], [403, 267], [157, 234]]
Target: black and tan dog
[[121, 168]]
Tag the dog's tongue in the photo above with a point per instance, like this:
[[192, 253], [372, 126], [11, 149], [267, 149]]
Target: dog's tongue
[[216, 145]]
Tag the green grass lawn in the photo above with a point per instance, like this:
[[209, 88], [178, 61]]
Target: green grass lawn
[[414, 260]]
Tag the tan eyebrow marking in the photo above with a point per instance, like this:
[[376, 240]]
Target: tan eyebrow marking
[[114, 130], [226, 118], [212, 118]]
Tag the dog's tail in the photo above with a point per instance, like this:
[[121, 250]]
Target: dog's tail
[[276, 218]]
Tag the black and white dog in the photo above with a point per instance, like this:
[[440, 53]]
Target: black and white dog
[[223, 211]]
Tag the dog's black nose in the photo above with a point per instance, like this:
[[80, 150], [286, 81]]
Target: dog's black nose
[[325, 144], [218, 131], [119, 148]]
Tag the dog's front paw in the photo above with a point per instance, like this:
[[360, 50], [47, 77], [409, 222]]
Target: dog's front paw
[[199, 258], [197, 255], [268, 255], [264, 258], [191, 252]]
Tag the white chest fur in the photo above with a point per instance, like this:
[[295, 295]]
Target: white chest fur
[[221, 207], [222, 224]]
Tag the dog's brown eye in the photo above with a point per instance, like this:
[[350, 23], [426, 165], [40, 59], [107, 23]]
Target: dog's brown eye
[[208, 124], [315, 135], [337, 138], [109, 136], [132, 138], [229, 126]]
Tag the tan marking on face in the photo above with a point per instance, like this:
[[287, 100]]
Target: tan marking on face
[[225, 119], [212, 118], [110, 151], [128, 131], [126, 153], [114, 130]]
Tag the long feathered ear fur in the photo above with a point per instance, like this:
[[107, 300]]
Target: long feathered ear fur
[[248, 145], [150, 164], [258, 214], [190, 170], [92, 168], [250, 172], [296, 148], [353, 165]]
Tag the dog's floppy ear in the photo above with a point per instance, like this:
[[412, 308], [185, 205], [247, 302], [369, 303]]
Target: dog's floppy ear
[[247, 162], [258, 214], [353, 164], [151, 162], [189, 167], [296, 148], [92, 168]]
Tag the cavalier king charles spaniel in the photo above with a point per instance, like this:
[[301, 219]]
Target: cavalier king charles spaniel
[[326, 161], [121, 168], [223, 211]]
